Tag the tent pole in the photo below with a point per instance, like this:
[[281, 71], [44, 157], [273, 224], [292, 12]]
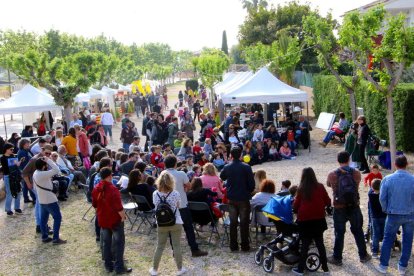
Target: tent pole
[[307, 110], [5, 128]]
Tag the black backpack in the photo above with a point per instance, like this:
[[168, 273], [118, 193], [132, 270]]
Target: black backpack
[[164, 214], [15, 180], [347, 193]]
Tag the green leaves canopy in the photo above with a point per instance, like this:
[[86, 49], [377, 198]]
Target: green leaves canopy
[[211, 65]]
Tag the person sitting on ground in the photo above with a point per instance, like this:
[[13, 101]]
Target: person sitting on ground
[[204, 160], [267, 190], [186, 149], [285, 151], [310, 202], [377, 217], [156, 158], [42, 178], [165, 184], [167, 150], [258, 134], [128, 166], [284, 190], [336, 129], [259, 156], [218, 161], [106, 199], [207, 148], [259, 176], [195, 172], [136, 187], [199, 194]]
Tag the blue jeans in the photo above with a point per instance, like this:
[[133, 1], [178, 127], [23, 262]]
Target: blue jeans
[[108, 130], [292, 146], [9, 197], [125, 146], [138, 110], [392, 224], [46, 210], [37, 210], [340, 218], [114, 238], [26, 191], [189, 228], [378, 225], [328, 136]]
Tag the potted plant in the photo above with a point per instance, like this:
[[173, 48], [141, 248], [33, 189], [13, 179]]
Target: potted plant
[[131, 108]]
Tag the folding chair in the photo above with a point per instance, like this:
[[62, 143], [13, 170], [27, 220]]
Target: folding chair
[[129, 207], [147, 217], [257, 213], [202, 206], [225, 209], [85, 189]]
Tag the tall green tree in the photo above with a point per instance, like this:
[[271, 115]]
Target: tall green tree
[[394, 52], [319, 33], [224, 46], [257, 56], [236, 55], [253, 5]]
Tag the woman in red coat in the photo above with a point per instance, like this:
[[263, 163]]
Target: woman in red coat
[[310, 203]]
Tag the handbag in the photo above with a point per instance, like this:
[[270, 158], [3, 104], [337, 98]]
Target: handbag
[[55, 188], [86, 162]]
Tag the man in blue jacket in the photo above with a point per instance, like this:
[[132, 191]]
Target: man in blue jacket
[[240, 185], [396, 198]]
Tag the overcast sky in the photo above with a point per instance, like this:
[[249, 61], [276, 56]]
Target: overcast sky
[[183, 24]]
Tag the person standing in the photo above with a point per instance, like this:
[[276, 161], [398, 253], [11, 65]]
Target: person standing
[[363, 134], [106, 199], [310, 203], [24, 152], [344, 182], [167, 194], [145, 121], [137, 104], [42, 178], [187, 126], [12, 178], [107, 120], [240, 185], [172, 131], [396, 198], [127, 135], [182, 184]]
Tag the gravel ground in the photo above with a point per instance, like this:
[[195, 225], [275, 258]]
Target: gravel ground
[[22, 253]]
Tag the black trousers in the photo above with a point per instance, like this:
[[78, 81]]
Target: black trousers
[[364, 163], [306, 242]]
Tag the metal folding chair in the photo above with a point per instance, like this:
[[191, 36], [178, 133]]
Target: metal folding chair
[[146, 217], [85, 189], [202, 206], [225, 209]]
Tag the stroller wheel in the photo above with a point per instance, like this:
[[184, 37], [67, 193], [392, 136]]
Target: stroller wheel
[[258, 257], [269, 264], [313, 262]]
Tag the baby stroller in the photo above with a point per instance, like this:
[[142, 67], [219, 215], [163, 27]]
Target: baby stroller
[[286, 246]]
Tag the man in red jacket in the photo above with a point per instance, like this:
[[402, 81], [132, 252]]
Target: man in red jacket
[[111, 216]]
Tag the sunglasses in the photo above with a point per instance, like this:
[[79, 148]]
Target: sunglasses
[[48, 153]]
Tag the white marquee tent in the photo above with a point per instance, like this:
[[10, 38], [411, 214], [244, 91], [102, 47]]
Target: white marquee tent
[[263, 87], [28, 100], [232, 81]]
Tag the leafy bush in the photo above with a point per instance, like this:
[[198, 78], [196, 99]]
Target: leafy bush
[[193, 84], [330, 97]]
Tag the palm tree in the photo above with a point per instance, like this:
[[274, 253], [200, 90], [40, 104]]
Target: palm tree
[[253, 5]]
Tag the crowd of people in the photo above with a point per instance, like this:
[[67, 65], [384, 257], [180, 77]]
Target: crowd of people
[[166, 164]]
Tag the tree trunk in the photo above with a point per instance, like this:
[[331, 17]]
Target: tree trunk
[[391, 128], [352, 102], [67, 111]]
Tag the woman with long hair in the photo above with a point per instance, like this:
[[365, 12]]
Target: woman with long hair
[[165, 184], [137, 187], [200, 194], [310, 203], [210, 180]]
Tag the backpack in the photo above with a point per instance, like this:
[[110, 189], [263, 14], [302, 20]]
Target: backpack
[[347, 193], [164, 214], [15, 180]]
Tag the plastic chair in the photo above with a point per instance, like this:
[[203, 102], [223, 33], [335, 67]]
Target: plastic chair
[[202, 206]]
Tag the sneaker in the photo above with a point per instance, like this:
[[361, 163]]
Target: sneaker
[[375, 255], [198, 253], [59, 241], [381, 269], [18, 211], [293, 158], [47, 240], [402, 270], [153, 272], [10, 214], [182, 271], [297, 272], [334, 261], [323, 144], [365, 259], [126, 270]]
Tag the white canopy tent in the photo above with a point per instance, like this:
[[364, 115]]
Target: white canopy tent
[[124, 88], [232, 82], [27, 100], [82, 97], [263, 87]]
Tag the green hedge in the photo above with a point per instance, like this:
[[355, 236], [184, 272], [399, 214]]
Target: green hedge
[[193, 84], [330, 97]]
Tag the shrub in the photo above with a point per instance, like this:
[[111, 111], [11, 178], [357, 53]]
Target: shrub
[[193, 84], [330, 97]]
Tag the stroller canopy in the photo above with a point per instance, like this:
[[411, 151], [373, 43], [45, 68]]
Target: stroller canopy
[[279, 208]]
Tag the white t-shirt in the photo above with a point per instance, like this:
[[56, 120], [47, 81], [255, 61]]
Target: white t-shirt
[[123, 181], [173, 200], [180, 178]]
